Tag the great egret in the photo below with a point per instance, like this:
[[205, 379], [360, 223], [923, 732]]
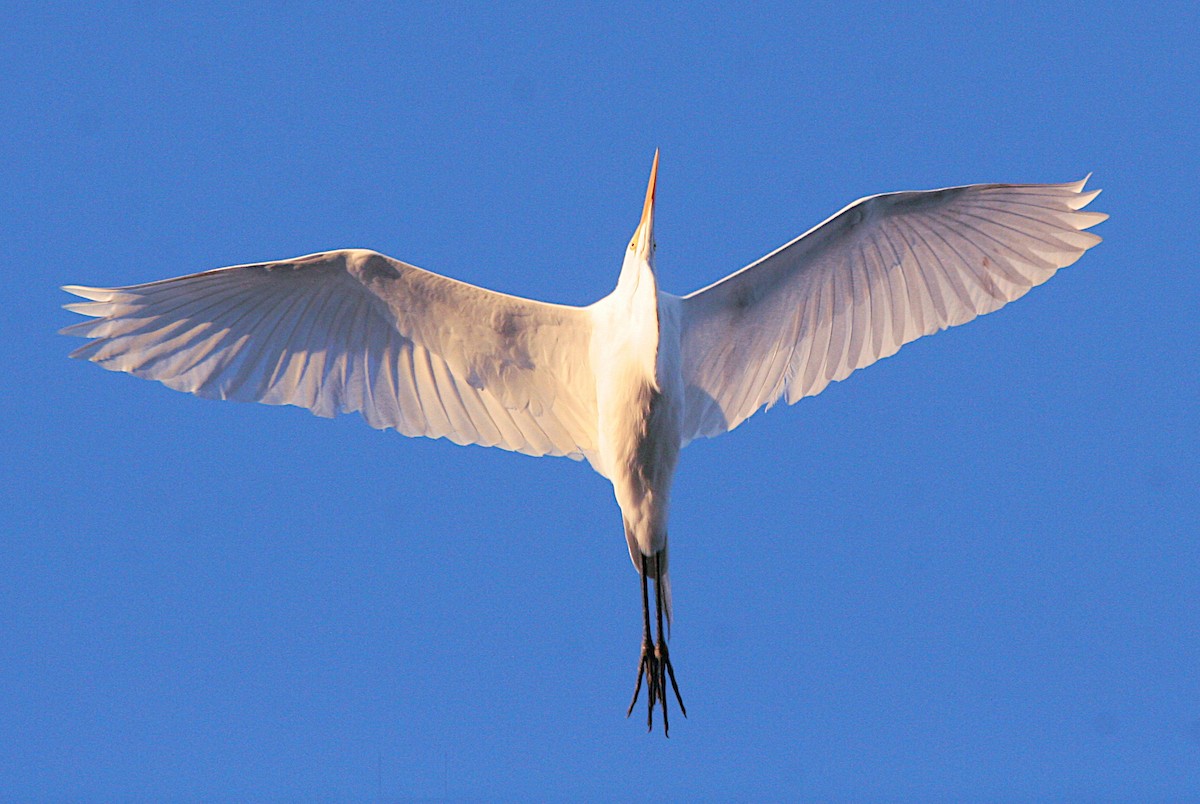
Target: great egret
[[625, 382]]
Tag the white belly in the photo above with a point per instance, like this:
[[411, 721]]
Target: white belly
[[640, 405]]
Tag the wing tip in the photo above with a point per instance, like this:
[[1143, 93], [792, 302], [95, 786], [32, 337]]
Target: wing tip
[[88, 292]]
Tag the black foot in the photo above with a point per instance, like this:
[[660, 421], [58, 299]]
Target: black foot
[[655, 667]]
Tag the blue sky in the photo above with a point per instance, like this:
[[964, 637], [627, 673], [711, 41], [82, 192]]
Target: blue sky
[[968, 571]]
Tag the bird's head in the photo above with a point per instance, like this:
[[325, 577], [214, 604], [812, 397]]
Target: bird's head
[[642, 244]]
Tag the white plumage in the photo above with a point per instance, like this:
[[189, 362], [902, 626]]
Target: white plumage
[[625, 382]]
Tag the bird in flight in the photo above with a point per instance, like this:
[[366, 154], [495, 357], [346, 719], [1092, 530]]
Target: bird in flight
[[624, 383]]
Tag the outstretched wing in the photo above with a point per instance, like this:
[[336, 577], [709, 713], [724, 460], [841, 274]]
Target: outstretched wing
[[355, 330], [882, 272]]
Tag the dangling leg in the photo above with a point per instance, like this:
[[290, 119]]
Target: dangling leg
[[655, 662], [664, 658], [646, 664]]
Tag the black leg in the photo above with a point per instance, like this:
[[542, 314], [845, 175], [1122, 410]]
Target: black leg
[[660, 648], [654, 663], [647, 652], [664, 658]]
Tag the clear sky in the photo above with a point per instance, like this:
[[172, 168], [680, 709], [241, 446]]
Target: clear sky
[[970, 570]]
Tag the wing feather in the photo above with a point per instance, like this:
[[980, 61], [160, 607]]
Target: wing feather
[[839, 323], [882, 272], [354, 330]]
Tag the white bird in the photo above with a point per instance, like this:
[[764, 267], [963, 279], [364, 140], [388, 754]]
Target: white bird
[[625, 382]]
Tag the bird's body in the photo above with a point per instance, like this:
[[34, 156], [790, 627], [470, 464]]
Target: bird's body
[[624, 383], [639, 394]]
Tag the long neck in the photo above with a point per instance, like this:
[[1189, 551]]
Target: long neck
[[636, 277], [635, 312]]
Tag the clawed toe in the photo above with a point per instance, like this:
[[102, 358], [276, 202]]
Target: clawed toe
[[655, 666], [665, 662], [645, 670]]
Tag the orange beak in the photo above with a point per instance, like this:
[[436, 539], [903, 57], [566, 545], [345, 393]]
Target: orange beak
[[643, 238]]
